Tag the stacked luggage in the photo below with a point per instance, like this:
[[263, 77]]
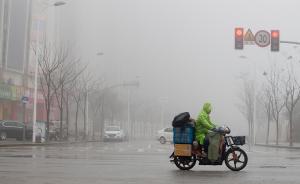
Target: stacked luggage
[[183, 134]]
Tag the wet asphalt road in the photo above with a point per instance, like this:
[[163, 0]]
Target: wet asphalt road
[[136, 162]]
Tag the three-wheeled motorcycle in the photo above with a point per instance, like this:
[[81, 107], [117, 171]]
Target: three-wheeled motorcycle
[[234, 157]]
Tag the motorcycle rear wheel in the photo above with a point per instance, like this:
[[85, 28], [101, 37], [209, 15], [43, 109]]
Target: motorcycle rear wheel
[[237, 157], [185, 163]]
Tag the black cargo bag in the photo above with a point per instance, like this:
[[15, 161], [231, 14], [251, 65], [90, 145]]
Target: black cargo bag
[[181, 119]]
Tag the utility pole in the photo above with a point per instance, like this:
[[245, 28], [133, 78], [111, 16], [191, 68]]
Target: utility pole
[[24, 101], [87, 114], [23, 119], [59, 3], [128, 111], [163, 101]]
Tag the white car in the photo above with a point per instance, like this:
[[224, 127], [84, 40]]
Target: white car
[[165, 135], [114, 133]]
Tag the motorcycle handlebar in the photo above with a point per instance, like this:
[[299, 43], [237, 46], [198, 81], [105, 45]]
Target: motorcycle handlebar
[[222, 130]]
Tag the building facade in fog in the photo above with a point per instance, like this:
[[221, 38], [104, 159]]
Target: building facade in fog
[[16, 73]]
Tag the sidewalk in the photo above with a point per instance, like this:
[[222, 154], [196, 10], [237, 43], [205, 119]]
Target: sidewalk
[[285, 145], [14, 143]]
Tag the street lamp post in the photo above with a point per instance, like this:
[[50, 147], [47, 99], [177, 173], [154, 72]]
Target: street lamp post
[[59, 3], [163, 101], [132, 83]]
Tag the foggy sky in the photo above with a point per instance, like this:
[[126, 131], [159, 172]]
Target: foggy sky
[[179, 49]]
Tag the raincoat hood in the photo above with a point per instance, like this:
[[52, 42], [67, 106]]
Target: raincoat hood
[[207, 108]]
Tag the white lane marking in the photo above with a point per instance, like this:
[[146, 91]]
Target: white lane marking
[[160, 150], [140, 150]]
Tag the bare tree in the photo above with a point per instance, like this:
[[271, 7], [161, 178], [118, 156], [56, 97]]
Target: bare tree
[[49, 60], [277, 95], [77, 95], [88, 85], [96, 104], [247, 106], [69, 94], [292, 96], [66, 74], [266, 99]]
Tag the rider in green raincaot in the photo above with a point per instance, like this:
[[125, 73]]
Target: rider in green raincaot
[[203, 126]]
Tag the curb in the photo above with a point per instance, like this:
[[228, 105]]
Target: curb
[[43, 144], [277, 146]]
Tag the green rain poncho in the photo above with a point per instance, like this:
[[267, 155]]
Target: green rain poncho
[[203, 123]]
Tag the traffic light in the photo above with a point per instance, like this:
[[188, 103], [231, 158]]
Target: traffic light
[[239, 38], [275, 40]]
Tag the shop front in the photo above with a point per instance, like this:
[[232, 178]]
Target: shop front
[[11, 105]]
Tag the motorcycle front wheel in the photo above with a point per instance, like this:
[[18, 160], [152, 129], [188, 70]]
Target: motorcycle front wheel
[[236, 159], [185, 163]]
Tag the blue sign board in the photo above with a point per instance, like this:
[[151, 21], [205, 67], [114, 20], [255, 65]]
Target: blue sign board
[[24, 99]]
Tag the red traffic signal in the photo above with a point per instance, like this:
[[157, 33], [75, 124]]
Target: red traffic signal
[[239, 38], [275, 40], [275, 34], [239, 32]]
